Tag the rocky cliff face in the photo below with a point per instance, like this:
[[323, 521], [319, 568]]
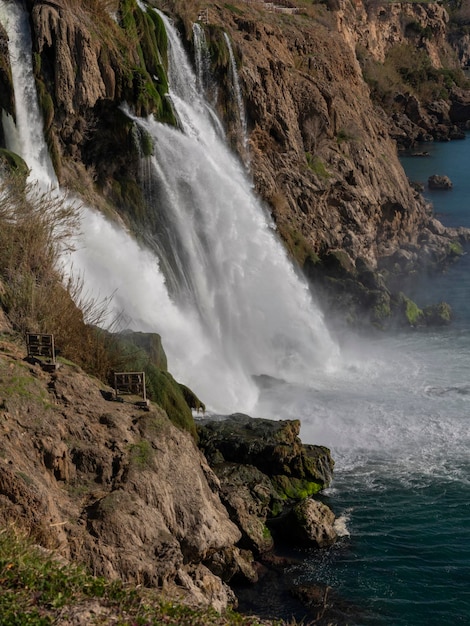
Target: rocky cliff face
[[105, 484], [322, 155], [379, 27]]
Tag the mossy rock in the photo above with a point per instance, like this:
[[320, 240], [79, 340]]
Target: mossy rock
[[438, 314], [13, 163], [151, 344], [408, 311], [144, 352], [165, 391], [289, 488], [146, 31], [381, 309], [273, 447], [455, 248]]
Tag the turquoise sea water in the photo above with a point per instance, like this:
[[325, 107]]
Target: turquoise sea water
[[397, 419]]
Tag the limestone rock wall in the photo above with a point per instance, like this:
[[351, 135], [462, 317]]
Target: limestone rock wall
[[379, 26], [321, 155]]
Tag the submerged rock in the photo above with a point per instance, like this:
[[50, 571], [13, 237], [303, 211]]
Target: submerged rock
[[439, 182]]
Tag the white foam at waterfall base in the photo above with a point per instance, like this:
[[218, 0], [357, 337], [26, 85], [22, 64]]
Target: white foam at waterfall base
[[114, 264]]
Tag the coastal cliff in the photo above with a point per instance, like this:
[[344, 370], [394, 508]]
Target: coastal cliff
[[125, 493]]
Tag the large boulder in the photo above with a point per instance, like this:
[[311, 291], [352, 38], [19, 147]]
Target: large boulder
[[263, 468], [272, 446], [310, 523]]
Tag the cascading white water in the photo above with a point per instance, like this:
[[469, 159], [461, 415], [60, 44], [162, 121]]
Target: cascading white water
[[108, 259], [237, 92], [237, 308], [202, 59], [26, 137], [226, 261]]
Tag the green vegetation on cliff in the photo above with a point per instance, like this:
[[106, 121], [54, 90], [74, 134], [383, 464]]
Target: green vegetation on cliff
[[39, 590]]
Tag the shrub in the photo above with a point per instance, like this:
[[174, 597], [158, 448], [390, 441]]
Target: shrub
[[35, 228]]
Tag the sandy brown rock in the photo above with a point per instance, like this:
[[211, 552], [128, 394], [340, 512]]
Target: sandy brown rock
[[70, 37]]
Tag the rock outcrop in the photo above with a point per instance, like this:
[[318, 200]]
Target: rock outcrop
[[264, 469], [437, 181], [321, 151], [105, 484]]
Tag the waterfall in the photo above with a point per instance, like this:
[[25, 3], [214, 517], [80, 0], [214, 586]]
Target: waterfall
[[223, 258], [237, 92], [26, 136], [228, 303], [202, 59]]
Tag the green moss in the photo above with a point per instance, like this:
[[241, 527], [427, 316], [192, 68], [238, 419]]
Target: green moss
[[191, 399], [316, 165], [148, 79], [35, 590], [15, 164], [144, 352], [438, 314], [165, 391], [413, 312], [46, 105], [295, 488], [17, 382], [131, 197], [266, 533], [381, 312], [151, 345], [455, 248], [218, 50], [146, 143], [141, 454], [298, 246]]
